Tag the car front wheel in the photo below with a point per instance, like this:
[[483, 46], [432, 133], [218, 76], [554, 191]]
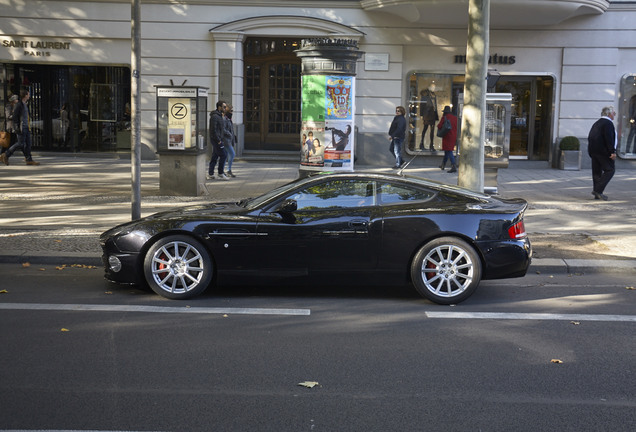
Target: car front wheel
[[178, 267], [446, 270]]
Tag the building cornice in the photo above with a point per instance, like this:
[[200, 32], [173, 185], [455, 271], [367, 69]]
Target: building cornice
[[503, 13]]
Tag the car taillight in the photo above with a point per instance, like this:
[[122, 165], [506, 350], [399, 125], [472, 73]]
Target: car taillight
[[517, 231]]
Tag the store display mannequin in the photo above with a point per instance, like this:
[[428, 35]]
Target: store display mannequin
[[428, 112], [632, 126]]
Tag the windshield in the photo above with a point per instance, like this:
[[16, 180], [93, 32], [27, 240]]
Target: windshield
[[253, 203]]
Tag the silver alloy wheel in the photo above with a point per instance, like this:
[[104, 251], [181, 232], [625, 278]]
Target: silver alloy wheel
[[447, 270], [177, 267]]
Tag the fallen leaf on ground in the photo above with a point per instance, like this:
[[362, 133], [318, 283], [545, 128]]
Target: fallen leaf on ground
[[557, 361], [64, 329], [308, 384], [575, 322], [26, 264], [3, 291], [630, 288]]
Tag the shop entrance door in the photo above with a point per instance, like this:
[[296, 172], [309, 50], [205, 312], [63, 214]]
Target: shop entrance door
[[531, 123], [272, 94]]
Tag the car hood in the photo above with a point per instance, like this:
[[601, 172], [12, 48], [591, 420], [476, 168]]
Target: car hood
[[218, 211]]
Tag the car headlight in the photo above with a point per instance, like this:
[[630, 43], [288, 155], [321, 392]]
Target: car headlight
[[114, 263]]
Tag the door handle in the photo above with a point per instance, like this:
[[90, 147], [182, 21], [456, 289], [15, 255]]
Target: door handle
[[358, 224]]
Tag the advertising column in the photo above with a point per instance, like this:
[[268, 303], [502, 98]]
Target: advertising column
[[327, 116], [327, 141]]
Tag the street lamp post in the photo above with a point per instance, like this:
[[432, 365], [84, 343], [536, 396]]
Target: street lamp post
[[135, 111]]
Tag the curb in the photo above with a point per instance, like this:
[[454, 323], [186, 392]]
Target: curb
[[569, 266], [68, 258]]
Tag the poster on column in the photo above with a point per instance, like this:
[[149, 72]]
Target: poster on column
[[327, 141]]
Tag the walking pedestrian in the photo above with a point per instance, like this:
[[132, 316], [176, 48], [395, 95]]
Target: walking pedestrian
[[230, 140], [8, 123], [448, 139], [21, 126], [601, 146], [397, 134], [217, 132]]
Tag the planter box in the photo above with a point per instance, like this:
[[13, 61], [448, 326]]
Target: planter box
[[570, 160]]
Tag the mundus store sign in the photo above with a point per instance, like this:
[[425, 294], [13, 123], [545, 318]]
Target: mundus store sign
[[35, 48]]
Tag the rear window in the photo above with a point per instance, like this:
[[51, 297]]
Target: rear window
[[390, 193]]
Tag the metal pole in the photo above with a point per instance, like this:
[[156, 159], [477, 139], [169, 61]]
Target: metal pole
[[135, 111], [471, 163]]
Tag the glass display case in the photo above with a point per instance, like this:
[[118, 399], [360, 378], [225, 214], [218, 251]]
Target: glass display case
[[496, 137], [182, 139], [627, 118], [181, 119]]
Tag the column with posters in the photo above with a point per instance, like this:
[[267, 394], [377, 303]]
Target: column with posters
[[327, 141], [328, 104]]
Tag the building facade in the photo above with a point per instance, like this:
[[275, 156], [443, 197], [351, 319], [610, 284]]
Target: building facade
[[562, 61]]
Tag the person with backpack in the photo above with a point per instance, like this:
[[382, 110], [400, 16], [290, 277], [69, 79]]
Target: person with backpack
[[447, 129]]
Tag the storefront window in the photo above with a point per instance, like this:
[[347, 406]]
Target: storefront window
[[532, 98], [74, 108], [627, 118], [428, 95]]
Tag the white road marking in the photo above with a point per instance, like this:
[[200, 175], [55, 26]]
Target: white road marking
[[531, 316], [152, 309]]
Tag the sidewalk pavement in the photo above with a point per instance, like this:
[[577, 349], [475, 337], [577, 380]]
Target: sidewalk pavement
[[54, 213]]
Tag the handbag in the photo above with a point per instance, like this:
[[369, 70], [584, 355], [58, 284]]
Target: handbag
[[446, 127], [5, 139]]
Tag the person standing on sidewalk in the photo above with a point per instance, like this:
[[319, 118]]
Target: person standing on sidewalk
[[601, 146], [21, 125], [448, 139], [8, 122], [397, 134], [217, 132], [230, 139]]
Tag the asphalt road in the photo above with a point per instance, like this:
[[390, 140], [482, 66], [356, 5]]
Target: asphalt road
[[544, 352]]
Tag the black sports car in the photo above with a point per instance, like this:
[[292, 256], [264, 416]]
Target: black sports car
[[335, 227]]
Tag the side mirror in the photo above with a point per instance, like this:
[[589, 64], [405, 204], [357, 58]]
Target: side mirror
[[287, 206]]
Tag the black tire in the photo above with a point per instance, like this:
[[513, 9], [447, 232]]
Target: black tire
[[446, 270], [178, 267]]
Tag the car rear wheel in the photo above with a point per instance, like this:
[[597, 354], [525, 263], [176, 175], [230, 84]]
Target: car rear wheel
[[178, 267], [446, 270]]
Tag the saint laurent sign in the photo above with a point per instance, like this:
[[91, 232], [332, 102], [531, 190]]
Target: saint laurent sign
[[36, 48]]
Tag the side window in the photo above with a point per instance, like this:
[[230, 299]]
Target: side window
[[345, 193], [390, 193]]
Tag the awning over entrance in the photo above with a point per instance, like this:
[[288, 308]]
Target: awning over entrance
[[517, 13]]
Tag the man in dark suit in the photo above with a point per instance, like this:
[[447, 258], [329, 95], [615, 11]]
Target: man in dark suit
[[601, 146]]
